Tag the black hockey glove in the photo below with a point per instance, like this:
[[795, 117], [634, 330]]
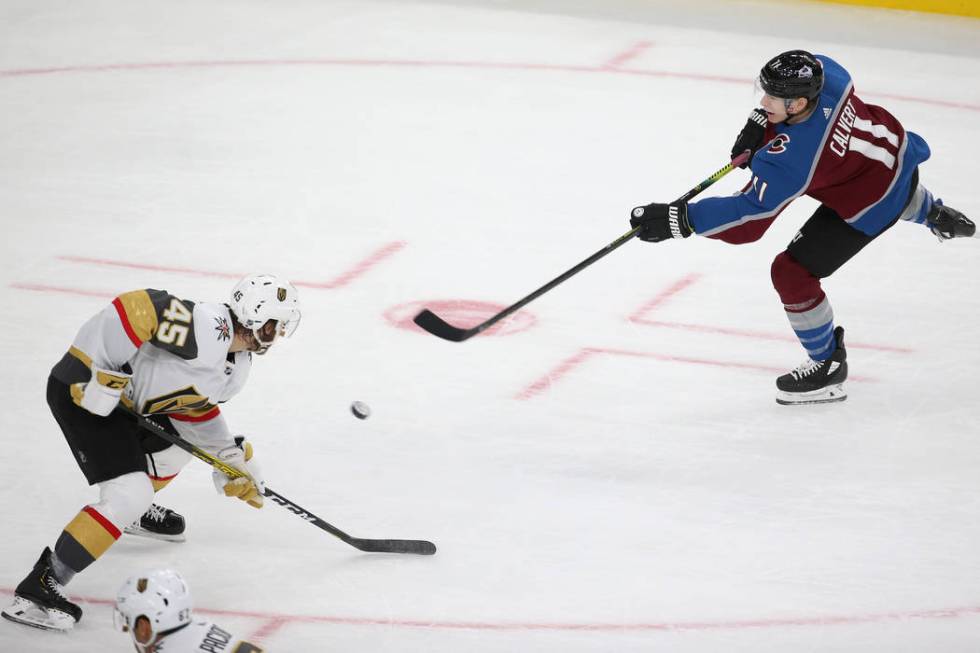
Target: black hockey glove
[[659, 222], [752, 136]]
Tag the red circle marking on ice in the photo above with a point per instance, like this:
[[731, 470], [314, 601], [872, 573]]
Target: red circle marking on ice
[[463, 313]]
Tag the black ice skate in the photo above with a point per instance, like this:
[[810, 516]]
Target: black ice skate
[[159, 523], [816, 382], [40, 600], [948, 223]]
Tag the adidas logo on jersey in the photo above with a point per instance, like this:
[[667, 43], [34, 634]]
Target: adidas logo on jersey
[[826, 112]]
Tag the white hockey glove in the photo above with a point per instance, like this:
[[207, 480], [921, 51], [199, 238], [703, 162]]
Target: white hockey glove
[[249, 488], [101, 394]]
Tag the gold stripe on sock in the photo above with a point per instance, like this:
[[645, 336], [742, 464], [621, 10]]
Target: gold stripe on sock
[[92, 534]]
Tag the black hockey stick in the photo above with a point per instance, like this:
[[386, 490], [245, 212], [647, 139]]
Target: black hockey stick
[[420, 547], [439, 327]]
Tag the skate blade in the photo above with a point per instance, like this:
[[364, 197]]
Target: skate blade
[[26, 612], [828, 395], [139, 531]]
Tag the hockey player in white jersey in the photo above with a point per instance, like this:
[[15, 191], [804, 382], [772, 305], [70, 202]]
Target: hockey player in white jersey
[[174, 361], [155, 608]]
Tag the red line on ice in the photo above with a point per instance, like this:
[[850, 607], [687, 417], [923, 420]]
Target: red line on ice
[[148, 266], [566, 367], [762, 335], [61, 289], [370, 63], [359, 269], [563, 369], [773, 622], [636, 50], [640, 317], [675, 288], [409, 63], [268, 629]]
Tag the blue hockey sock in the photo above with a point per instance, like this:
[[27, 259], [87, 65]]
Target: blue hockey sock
[[919, 206], [815, 329]]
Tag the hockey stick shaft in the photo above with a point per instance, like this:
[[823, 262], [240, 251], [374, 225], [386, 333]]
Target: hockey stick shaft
[[420, 547], [435, 325]]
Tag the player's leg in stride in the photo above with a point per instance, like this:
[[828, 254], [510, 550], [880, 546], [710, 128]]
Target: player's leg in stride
[[945, 222], [40, 599], [820, 248], [816, 382]]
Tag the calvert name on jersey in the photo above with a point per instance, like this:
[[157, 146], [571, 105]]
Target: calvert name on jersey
[[177, 352], [203, 637], [853, 157]]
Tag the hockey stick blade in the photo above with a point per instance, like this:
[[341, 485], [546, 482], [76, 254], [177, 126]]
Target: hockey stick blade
[[417, 547], [440, 328]]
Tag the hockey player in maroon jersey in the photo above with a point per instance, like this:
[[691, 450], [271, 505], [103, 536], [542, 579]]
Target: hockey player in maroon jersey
[[814, 136], [170, 359]]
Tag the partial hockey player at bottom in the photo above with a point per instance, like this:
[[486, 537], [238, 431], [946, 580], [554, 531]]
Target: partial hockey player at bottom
[[155, 608], [816, 382]]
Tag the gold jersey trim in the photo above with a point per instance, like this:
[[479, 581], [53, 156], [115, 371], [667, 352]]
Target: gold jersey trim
[[81, 355], [138, 313], [187, 402]]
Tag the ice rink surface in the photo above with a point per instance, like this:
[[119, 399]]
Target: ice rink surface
[[609, 471]]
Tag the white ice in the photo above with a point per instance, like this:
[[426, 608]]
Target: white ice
[[593, 482]]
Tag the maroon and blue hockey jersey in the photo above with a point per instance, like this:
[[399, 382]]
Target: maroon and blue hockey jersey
[[853, 157]]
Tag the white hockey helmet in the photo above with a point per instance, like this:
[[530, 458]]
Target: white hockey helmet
[[258, 298], [161, 595]]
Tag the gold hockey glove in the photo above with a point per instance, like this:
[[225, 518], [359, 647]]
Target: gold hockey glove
[[249, 488], [101, 394]]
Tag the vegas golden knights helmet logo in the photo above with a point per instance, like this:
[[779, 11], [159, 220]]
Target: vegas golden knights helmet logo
[[141, 585], [281, 294]]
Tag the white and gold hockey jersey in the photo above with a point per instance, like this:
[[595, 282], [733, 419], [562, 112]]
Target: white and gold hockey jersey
[[204, 637], [177, 352]]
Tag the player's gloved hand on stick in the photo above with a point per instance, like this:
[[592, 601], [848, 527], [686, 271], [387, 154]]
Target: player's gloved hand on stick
[[752, 136], [249, 488], [659, 222], [100, 395]]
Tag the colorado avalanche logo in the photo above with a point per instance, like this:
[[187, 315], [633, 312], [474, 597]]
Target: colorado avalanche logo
[[223, 329], [778, 144]]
